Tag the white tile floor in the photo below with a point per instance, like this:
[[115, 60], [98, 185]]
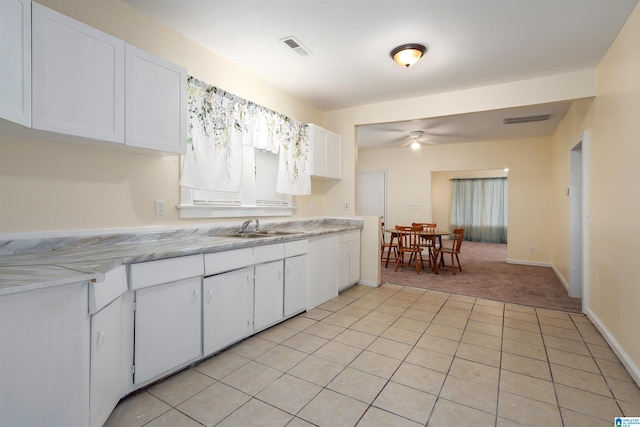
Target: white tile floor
[[396, 356]]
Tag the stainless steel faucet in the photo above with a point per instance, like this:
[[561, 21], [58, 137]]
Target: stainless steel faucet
[[245, 225]]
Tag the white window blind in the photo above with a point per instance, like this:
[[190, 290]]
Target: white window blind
[[220, 198], [258, 185], [266, 175]]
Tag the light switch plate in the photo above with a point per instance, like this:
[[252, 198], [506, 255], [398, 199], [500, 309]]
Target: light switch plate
[[159, 207]]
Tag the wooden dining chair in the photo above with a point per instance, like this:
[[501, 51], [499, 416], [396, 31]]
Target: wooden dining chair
[[409, 243], [389, 247], [454, 251], [427, 242]]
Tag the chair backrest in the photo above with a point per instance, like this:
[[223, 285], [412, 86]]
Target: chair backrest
[[382, 230], [424, 224], [458, 234], [408, 237]]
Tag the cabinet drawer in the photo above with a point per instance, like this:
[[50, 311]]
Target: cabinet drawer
[[349, 236], [220, 262], [268, 253], [298, 247], [152, 273], [102, 293]]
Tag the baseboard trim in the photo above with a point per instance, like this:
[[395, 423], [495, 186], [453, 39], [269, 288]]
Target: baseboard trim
[[532, 263], [564, 282], [631, 367], [369, 283]]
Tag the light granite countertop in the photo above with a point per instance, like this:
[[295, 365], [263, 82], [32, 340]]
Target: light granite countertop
[[35, 263]]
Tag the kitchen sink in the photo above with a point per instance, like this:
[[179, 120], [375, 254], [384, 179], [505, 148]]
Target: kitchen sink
[[278, 232], [258, 234]]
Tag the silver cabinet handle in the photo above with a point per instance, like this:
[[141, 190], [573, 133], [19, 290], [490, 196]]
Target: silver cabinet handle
[[99, 338]]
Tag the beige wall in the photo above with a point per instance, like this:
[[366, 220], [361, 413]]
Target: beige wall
[[441, 192], [613, 230], [567, 135], [53, 186], [50, 186], [409, 183]]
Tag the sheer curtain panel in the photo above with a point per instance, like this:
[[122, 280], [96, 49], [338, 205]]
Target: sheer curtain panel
[[479, 205]]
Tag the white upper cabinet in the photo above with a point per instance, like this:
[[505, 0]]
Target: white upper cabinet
[[89, 84], [15, 65], [78, 78], [156, 111], [325, 153]]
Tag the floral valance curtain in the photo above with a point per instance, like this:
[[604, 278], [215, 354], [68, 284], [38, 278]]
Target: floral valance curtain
[[220, 124]]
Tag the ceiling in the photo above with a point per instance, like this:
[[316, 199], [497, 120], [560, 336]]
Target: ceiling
[[470, 43]]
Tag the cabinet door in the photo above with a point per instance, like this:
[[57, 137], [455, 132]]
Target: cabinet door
[[322, 270], [156, 102], [344, 263], [318, 161], [44, 357], [15, 66], [106, 361], [78, 78], [354, 261], [269, 294], [227, 308], [334, 155], [167, 327], [295, 285]]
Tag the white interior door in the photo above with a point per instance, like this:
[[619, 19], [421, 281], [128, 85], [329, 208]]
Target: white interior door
[[372, 193]]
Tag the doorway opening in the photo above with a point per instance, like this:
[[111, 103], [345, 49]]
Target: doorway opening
[[577, 217]]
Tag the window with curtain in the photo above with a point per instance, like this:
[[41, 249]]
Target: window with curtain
[[240, 156], [479, 205]]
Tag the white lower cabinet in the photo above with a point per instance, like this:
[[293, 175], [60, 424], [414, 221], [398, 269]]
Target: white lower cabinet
[[349, 259], [168, 328], [269, 294], [322, 270], [295, 285], [107, 327], [44, 357], [227, 309]]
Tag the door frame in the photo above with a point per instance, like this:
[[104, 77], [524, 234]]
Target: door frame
[[579, 219]]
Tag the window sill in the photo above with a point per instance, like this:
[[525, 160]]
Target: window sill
[[206, 211]]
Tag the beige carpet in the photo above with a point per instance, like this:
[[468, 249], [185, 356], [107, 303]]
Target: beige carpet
[[485, 274]]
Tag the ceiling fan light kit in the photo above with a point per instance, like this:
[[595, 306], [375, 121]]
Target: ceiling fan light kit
[[408, 54]]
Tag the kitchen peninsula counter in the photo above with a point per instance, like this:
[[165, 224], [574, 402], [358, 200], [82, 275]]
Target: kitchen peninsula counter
[[36, 263]]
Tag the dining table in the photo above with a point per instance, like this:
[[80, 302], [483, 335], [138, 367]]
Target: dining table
[[428, 232]]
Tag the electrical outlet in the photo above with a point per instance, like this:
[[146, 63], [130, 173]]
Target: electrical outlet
[[346, 206], [531, 249], [159, 207]]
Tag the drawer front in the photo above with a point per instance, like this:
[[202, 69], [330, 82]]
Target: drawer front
[[268, 253], [102, 293], [298, 247], [153, 273], [349, 236], [219, 262]]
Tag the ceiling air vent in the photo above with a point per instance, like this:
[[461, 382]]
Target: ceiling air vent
[[526, 119], [296, 46]]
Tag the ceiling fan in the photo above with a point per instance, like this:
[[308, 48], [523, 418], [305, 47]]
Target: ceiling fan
[[416, 140]]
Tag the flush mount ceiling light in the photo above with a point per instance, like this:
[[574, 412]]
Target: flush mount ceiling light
[[408, 54]]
